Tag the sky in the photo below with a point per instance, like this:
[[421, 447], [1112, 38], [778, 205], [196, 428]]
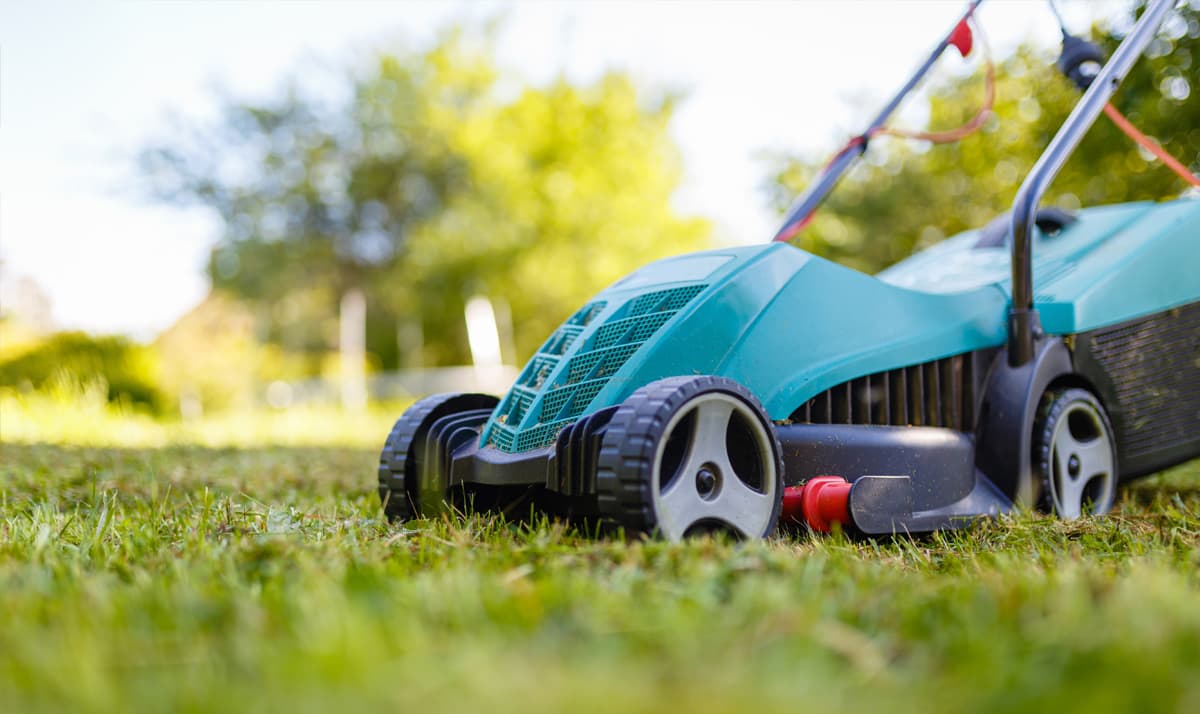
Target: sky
[[84, 84]]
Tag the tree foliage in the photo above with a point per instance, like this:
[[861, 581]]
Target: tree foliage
[[906, 196], [436, 178]]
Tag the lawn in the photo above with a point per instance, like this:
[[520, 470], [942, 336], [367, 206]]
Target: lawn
[[206, 578]]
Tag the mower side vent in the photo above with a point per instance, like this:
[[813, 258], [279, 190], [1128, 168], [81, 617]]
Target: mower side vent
[[560, 382], [1154, 365], [938, 393], [533, 377]]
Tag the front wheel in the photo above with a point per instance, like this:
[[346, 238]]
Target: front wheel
[[689, 455]]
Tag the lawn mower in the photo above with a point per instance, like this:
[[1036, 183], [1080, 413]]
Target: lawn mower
[[1039, 361]]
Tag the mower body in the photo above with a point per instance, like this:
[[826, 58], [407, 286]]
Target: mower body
[[789, 325], [1037, 361], [898, 382]]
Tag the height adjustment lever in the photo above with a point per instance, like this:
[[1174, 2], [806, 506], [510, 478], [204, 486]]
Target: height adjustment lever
[[1080, 61]]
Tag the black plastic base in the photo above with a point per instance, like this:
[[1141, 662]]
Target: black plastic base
[[905, 479], [883, 505], [559, 480]]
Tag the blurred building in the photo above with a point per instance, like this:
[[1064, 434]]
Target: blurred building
[[24, 301]]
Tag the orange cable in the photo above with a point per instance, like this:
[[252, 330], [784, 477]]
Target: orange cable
[[1150, 144]]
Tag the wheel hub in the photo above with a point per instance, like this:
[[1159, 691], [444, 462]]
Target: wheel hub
[[724, 475], [1083, 466], [708, 481]]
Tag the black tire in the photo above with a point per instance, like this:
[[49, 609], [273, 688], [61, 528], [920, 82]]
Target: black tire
[[399, 464], [1074, 454], [628, 479]]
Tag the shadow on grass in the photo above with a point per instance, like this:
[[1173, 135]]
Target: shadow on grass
[[1180, 485]]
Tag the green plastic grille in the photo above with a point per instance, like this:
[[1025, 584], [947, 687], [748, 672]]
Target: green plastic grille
[[663, 300], [560, 382], [598, 363], [631, 329]]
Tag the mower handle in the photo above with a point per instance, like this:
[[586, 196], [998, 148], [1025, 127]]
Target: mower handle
[[1023, 324], [807, 202]]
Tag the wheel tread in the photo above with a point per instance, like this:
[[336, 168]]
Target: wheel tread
[[395, 488]]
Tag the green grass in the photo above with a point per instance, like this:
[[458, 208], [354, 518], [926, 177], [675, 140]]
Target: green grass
[[80, 414], [188, 578]]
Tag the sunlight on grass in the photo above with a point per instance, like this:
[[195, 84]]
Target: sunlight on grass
[[74, 414]]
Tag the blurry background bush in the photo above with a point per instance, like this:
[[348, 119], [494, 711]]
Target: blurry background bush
[[127, 372]]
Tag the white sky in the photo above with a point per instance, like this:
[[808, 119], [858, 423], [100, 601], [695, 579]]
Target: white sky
[[83, 84]]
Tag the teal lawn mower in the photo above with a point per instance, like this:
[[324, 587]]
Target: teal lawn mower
[[1039, 361]]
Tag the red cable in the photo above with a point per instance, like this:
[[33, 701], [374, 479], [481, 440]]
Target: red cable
[[801, 224], [976, 122], [1149, 144], [936, 137]]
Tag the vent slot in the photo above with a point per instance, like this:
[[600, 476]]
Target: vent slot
[[938, 393]]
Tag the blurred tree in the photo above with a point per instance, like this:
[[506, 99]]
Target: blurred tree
[[906, 196], [570, 190], [426, 186]]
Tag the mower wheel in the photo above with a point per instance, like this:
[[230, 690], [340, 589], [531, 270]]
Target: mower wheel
[[402, 474], [689, 455], [1074, 454]]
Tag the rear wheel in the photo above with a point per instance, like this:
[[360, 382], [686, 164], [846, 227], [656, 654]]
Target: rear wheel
[[1075, 454], [411, 482], [690, 455]]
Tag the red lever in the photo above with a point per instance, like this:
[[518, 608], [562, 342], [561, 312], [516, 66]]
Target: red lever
[[819, 503], [962, 38]]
